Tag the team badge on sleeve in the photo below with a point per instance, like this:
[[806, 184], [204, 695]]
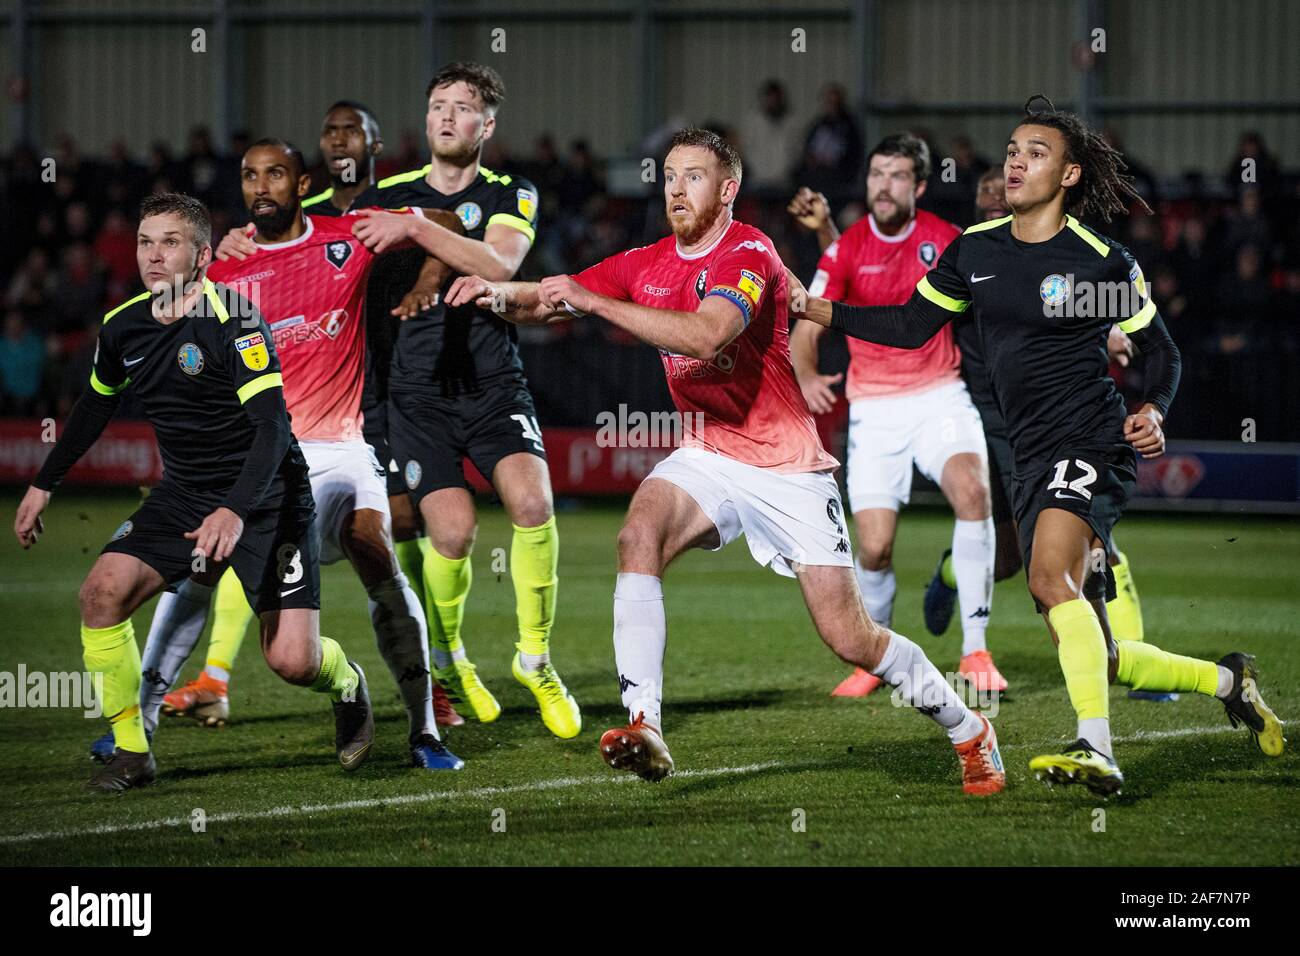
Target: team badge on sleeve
[[527, 202], [752, 285], [252, 351]]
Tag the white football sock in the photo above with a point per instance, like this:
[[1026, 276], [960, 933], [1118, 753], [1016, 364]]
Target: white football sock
[[403, 642], [1096, 730], [640, 635], [973, 551], [918, 682], [877, 589], [177, 625]]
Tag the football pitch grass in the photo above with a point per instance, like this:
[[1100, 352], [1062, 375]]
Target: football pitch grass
[[771, 770]]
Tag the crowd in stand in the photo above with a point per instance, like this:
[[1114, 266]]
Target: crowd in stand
[[1222, 249]]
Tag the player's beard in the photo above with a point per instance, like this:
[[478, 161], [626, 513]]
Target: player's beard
[[275, 223], [459, 152], [894, 218], [688, 231]]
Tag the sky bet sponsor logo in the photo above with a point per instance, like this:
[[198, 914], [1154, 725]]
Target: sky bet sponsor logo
[[76, 909]]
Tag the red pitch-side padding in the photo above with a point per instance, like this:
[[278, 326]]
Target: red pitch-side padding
[[127, 455]]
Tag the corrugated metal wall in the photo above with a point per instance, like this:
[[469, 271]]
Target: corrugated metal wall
[[578, 75]]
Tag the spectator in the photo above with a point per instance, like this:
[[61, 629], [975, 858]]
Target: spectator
[[770, 142], [22, 359], [832, 153]]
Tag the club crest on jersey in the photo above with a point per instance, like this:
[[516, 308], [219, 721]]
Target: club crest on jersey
[[190, 358], [125, 528], [252, 351], [1054, 290], [527, 202], [927, 252], [470, 214], [338, 253], [412, 474], [702, 283]]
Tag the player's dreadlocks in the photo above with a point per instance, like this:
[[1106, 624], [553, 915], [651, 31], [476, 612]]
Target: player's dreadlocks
[[1104, 188]]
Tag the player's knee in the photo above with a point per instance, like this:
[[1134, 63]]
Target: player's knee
[[875, 555], [453, 541], [293, 668], [971, 500], [1051, 586], [639, 547], [534, 511], [102, 604]]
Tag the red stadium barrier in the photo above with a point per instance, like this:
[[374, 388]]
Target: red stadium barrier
[[127, 454]]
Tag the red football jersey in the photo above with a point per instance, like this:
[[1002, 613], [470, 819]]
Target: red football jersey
[[866, 267], [751, 406], [311, 291]]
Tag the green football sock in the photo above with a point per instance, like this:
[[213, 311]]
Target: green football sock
[[1146, 667], [410, 558], [231, 615], [337, 677], [446, 586], [1125, 612], [112, 652], [1081, 649], [534, 555]]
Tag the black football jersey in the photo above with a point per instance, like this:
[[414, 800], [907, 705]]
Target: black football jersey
[[457, 350], [192, 377], [1042, 313]]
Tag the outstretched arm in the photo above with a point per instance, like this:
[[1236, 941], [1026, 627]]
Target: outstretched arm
[[517, 302], [902, 326]]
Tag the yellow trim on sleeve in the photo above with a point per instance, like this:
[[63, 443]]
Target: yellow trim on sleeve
[[514, 222], [112, 312], [103, 389], [1135, 323], [1101, 248], [259, 384], [939, 299], [991, 224], [492, 177]]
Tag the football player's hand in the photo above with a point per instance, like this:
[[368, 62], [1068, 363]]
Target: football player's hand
[[1142, 430], [557, 292], [1119, 347], [810, 209], [480, 292], [236, 245], [216, 538], [817, 391], [380, 230], [414, 302], [27, 523]]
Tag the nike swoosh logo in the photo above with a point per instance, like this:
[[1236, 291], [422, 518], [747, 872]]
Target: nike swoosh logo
[[975, 278], [1069, 497], [129, 362], [291, 590]]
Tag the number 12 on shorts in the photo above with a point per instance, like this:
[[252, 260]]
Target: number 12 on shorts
[[1080, 484], [532, 431]]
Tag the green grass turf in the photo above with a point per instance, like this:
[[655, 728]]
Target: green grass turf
[[747, 687]]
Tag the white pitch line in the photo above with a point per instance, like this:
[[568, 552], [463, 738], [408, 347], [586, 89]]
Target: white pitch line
[[402, 800]]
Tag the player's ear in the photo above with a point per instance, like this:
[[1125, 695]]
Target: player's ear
[[729, 190], [304, 185], [1073, 171], [489, 126], [377, 146], [920, 188], [203, 259]]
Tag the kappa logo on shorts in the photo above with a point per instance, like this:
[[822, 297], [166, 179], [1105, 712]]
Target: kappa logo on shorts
[[412, 474], [190, 358], [338, 253], [927, 252], [125, 528]]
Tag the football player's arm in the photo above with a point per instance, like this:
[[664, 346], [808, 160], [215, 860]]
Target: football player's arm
[[496, 257], [701, 334], [1162, 367], [517, 302]]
